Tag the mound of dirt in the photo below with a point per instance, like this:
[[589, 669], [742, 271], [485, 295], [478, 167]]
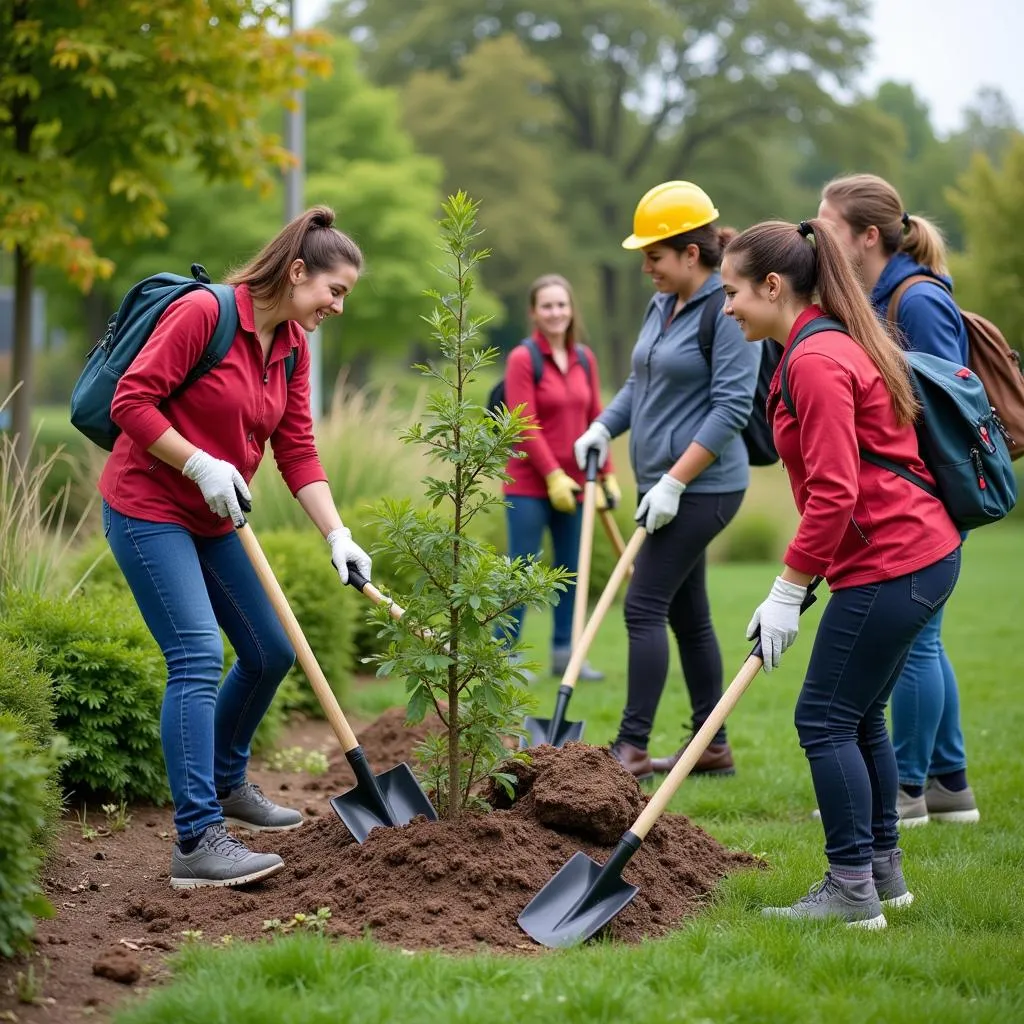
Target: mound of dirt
[[457, 885]]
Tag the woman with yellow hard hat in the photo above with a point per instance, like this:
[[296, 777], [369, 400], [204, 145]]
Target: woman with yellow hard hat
[[684, 407]]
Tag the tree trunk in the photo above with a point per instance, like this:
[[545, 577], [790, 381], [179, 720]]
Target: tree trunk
[[21, 370], [618, 351]]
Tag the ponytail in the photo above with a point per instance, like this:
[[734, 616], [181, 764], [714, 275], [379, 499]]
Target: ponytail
[[310, 237], [821, 266], [924, 244]]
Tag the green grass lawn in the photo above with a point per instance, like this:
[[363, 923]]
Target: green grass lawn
[[956, 955]]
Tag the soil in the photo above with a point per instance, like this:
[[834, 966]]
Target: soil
[[457, 886]]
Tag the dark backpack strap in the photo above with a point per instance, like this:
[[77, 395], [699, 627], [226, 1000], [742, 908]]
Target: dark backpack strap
[[289, 365], [899, 470], [708, 321], [583, 355], [812, 327], [903, 287], [222, 337], [536, 359]]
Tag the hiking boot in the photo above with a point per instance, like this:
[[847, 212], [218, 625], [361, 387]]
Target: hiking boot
[[950, 805], [633, 759], [856, 903], [911, 810], [887, 874], [220, 860], [716, 760], [560, 662], [248, 807], [516, 660]]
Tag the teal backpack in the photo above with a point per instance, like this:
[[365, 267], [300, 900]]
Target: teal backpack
[[129, 329], [960, 437]]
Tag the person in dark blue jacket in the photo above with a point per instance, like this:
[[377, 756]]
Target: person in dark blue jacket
[[889, 245]]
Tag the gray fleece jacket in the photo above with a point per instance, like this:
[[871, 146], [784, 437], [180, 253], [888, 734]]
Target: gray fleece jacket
[[672, 396]]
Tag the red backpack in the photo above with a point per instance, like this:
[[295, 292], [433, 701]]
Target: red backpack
[[989, 355]]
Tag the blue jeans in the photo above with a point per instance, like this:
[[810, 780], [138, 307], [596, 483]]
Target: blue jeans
[[527, 518], [926, 731], [188, 588], [859, 652]]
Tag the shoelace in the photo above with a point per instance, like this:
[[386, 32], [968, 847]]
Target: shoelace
[[224, 844], [253, 791]]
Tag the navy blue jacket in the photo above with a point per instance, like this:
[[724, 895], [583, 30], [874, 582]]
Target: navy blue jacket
[[927, 314]]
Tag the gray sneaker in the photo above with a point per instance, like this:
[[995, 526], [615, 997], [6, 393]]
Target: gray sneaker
[[856, 903], [911, 810], [951, 805], [248, 807], [220, 860], [560, 657], [891, 886]]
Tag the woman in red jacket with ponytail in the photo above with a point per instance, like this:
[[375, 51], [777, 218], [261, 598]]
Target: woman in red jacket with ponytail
[[887, 548]]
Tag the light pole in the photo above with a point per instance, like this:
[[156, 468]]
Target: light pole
[[294, 203]]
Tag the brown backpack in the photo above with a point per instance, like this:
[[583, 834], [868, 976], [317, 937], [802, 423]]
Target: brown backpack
[[989, 355]]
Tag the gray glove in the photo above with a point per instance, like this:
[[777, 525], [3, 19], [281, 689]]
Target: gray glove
[[660, 504], [344, 550], [778, 620], [596, 436], [218, 480]]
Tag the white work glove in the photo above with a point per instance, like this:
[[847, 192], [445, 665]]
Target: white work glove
[[344, 550], [218, 480], [778, 618], [596, 436], [660, 504]]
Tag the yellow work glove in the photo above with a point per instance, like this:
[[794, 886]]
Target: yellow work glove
[[609, 494], [562, 490]]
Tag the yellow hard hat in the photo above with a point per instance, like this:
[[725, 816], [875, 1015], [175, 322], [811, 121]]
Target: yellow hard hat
[[669, 209]]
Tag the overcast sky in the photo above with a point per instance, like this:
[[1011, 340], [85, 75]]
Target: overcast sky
[[946, 54]]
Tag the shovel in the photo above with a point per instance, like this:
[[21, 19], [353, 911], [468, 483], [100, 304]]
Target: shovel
[[392, 798], [556, 730], [584, 895], [611, 528], [579, 611]]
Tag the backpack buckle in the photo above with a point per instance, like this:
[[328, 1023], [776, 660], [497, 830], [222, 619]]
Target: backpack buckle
[[199, 273]]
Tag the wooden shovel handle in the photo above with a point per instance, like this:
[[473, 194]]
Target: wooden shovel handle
[[706, 733], [579, 610], [367, 589], [303, 652], [579, 651], [611, 528]]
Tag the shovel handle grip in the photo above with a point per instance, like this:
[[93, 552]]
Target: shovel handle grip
[[706, 733], [367, 589], [303, 652]]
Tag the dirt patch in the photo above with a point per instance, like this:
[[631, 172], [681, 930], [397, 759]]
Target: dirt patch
[[456, 886]]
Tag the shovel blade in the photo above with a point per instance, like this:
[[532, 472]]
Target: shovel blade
[[538, 730], [399, 800], [576, 903]]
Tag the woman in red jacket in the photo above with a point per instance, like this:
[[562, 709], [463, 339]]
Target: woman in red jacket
[[545, 486], [887, 548], [170, 504]]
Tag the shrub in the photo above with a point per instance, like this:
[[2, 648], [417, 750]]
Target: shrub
[[751, 538], [108, 677], [25, 775]]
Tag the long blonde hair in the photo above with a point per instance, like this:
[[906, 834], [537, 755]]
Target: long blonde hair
[[866, 199], [822, 267]]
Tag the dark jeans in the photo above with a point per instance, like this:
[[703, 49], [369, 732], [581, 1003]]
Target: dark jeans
[[187, 589], [527, 520], [670, 585], [859, 652]]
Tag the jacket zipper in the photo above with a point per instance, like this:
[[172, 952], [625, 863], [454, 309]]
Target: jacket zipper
[[856, 526]]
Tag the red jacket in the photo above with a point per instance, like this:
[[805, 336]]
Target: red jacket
[[230, 412], [562, 404], [859, 523]]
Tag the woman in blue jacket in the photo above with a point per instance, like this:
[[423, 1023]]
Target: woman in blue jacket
[[889, 246], [684, 414]]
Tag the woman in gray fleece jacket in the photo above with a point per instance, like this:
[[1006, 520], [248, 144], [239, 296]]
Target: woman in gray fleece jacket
[[684, 413]]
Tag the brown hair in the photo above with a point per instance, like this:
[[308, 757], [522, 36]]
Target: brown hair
[[823, 267], [310, 237], [574, 332], [866, 199], [710, 241]]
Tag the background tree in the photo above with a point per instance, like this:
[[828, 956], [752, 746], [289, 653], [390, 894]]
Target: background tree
[[643, 91], [98, 100], [990, 273]]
